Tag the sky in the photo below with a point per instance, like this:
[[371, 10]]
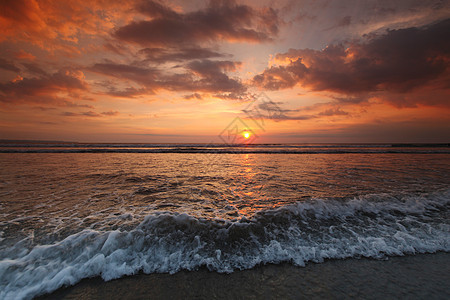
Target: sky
[[205, 71]]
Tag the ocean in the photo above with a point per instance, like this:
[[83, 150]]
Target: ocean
[[72, 211]]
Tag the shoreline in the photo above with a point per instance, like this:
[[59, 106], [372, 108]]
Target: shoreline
[[413, 276]]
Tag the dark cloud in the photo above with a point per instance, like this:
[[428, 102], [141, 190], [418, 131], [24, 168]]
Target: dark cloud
[[34, 69], [110, 113], [40, 89], [212, 76], [129, 92], [221, 20], [73, 104], [143, 75], [19, 11], [83, 114], [294, 117], [398, 61], [271, 110], [41, 108], [351, 99], [63, 104], [7, 65], [197, 76], [162, 55], [240, 95], [193, 96], [282, 77], [154, 9], [114, 87], [345, 21], [90, 113], [212, 68], [333, 112]]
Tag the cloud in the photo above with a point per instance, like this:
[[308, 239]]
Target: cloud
[[34, 69], [73, 104], [155, 9], [110, 113], [221, 20], [211, 76], [274, 111], [351, 99], [90, 113], [193, 96], [282, 77], [143, 75], [20, 14], [41, 108], [62, 104], [128, 92], [21, 54], [331, 112], [162, 55], [197, 76], [9, 66], [241, 95], [44, 88], [212, 68], [176, 37], [399, 61], [84, 114], [345, 21], [59, 25]]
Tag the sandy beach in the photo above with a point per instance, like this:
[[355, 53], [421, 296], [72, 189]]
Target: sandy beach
[[423, 276]]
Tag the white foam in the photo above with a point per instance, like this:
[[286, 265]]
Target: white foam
[[370, 226]]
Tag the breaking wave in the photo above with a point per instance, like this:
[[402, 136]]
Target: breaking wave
[[371, 226], [223, 148]]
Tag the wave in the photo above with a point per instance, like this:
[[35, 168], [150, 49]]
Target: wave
[[211, 145], [223, 148], [371, 226], [237, 150]]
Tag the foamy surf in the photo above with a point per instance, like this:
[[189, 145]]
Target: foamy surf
[[225, 148], [373, 226]]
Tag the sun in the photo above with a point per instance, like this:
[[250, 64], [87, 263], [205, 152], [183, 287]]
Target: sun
[[246, 134]]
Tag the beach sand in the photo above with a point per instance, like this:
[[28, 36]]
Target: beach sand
[[424, 276]]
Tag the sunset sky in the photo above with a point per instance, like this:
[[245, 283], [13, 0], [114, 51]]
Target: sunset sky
[[188, 71]]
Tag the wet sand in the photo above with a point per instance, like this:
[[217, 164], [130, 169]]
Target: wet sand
[[424, 276]]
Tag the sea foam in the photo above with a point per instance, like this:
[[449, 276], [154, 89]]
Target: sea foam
[[372, 226]]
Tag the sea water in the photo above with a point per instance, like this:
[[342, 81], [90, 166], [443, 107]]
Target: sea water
[[74, 211]]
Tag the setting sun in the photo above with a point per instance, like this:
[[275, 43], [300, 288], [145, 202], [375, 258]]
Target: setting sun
[[246, 134]]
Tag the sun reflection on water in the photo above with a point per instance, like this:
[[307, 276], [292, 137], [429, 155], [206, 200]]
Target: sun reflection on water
[[125, 188]]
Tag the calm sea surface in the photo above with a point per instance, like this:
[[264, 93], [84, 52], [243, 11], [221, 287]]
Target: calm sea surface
[[69, 212]]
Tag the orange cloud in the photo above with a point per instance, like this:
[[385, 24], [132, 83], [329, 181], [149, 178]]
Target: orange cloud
[[53, 24], [24, 55]]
